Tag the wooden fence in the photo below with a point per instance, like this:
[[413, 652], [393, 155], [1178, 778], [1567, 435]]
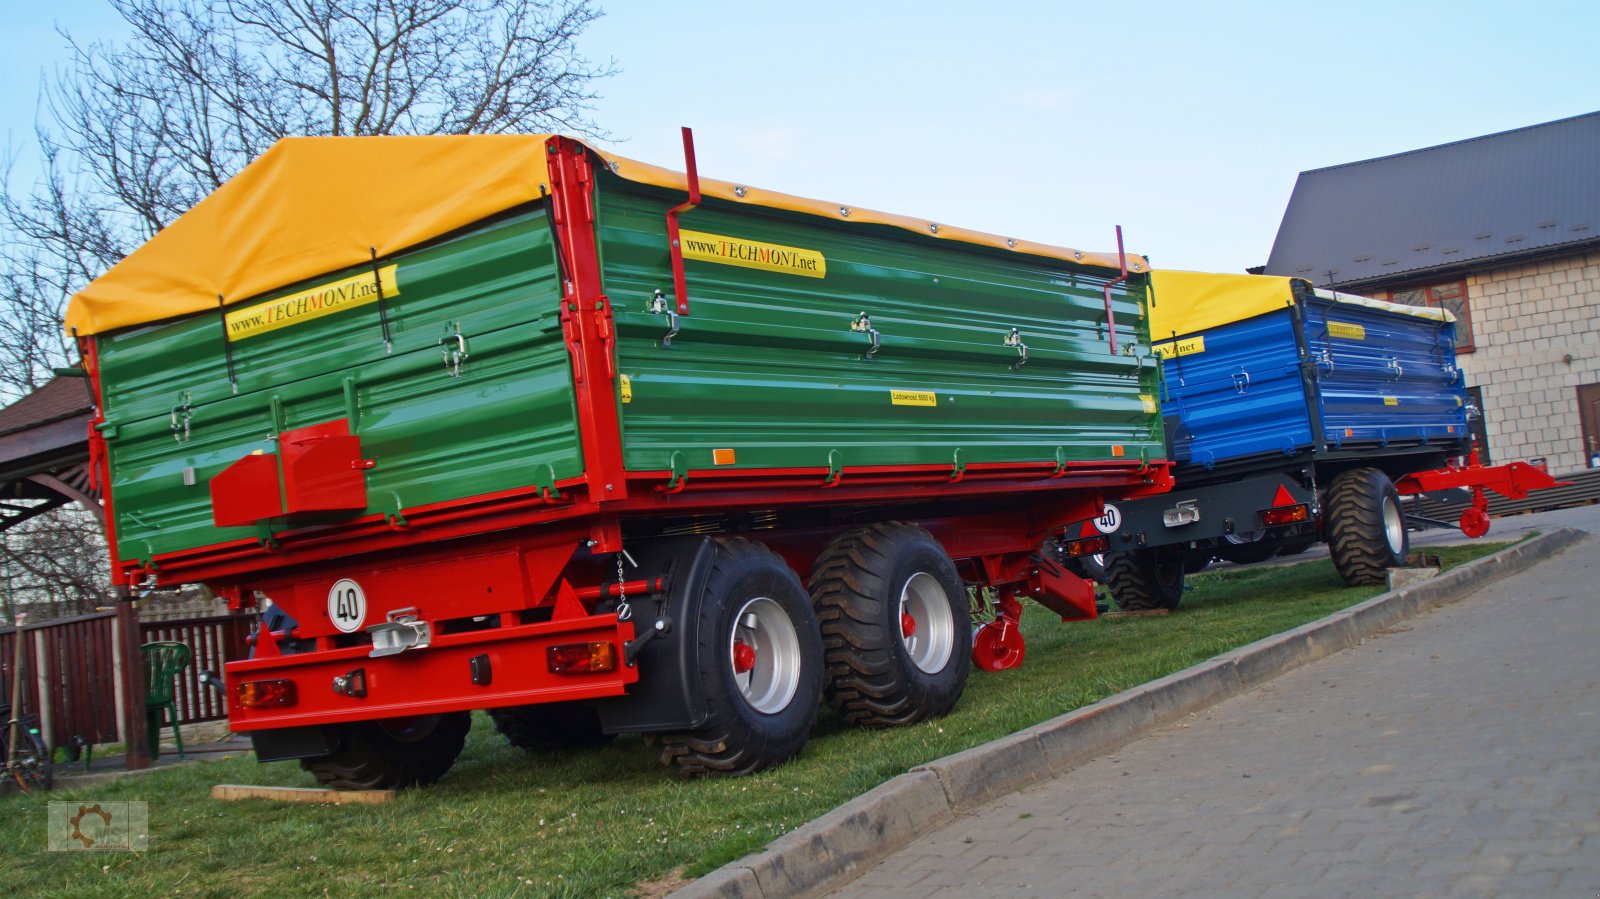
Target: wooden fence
[[74, 675], [215, 640]]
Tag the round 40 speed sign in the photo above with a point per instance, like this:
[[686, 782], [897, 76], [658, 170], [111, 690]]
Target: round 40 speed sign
[[347, 606]]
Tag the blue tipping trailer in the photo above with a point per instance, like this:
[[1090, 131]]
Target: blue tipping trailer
[[1292, 413]]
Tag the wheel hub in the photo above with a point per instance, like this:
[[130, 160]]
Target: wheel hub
[[927, 626], [764, 653], [744, 657]]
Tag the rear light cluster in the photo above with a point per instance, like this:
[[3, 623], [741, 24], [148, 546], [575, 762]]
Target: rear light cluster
[[265, 694], [1286, 515], [582, 658], [1086, 546]]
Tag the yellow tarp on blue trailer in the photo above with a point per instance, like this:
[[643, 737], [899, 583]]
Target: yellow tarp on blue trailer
[[1184, 303]]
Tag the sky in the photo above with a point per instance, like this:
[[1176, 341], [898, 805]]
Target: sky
[[1185, 123]]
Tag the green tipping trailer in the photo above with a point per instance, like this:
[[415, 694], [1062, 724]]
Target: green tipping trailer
[[507, 423]]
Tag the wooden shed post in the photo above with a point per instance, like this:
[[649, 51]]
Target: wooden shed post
[[134, 733]]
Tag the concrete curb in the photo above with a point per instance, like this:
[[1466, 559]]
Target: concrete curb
[[823, 854]]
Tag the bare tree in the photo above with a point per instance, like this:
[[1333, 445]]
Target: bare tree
[[138, 132], [135, 133], [54, 566]]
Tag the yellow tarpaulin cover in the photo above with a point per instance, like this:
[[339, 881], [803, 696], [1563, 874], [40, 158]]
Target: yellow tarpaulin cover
[[314, 205], [1192, 302]]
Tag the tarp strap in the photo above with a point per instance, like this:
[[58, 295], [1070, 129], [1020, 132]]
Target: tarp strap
[[383, 308], [227, 343]]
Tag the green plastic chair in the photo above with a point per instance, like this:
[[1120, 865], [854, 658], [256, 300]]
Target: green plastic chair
[[162, 662]]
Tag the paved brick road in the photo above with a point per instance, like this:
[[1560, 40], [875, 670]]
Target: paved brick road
[[1457, 755]]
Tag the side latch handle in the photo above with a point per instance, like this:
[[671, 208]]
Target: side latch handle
[[1014, 339], [863, 325], [660, 306], [455, 351]]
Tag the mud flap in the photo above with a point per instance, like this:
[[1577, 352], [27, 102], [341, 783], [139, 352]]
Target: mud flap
[[663, 699]]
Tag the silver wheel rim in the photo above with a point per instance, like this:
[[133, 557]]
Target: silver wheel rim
[[772, 680], [1244, 538], [933, 635], [1394, 527]]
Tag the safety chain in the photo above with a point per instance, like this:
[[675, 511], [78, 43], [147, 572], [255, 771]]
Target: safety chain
[[624, 611]]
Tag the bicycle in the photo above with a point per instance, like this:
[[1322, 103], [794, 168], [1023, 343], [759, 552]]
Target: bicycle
[[21, 745]]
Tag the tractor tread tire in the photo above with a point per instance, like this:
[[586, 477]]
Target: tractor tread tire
[[1356, 533], [869, 678], [1145, 580], [368, 758], [1247, 553], [551, 727], [735, 738]]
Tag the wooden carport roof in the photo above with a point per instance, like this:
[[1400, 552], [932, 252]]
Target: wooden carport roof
[[44, 451]]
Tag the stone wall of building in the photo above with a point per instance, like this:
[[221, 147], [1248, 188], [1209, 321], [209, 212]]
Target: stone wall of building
[[1537, 328]]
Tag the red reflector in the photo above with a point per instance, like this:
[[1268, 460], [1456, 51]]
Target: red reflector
[[1087, 546], [1286, 515], [1282, 498], [582, 658], [265, 694]]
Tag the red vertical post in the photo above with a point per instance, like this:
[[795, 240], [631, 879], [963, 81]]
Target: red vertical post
[[587, 322]]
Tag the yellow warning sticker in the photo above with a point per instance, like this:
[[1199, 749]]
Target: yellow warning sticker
[[1149, 403], [1391, 401], [913, 398], [768, 257], [1347, 330], [324, 299], [1185, 347], [625, 387]]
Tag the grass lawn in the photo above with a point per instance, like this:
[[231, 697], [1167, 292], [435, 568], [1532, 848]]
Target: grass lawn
[[601, 822]]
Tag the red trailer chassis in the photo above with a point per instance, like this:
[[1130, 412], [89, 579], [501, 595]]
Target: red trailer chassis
[[528, 612]]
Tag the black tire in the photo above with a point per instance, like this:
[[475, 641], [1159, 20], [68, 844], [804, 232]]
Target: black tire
[[34, 770], [1093, 567], [1246, 552], [1197, 564], [1294, 547], [761, 716], [1366, 527], [877, 674], [1144, 580], [551, 727], [392, 753]]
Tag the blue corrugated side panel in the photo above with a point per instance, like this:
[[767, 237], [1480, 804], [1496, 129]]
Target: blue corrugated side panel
[[1240, 395], [1382, 380]]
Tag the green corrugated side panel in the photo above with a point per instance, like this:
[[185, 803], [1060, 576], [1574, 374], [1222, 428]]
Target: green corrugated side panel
[[766, 363], [507, 422]]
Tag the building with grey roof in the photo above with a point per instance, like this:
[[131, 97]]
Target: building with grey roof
[[1504, 231]]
